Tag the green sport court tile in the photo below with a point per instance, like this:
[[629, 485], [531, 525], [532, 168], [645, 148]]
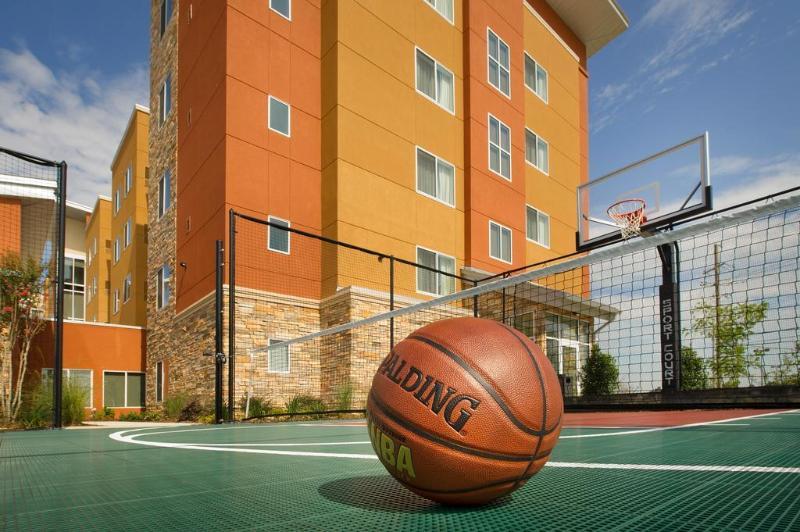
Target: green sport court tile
[[84, 479]]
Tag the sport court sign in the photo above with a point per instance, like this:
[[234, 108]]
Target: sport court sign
[[670, 332]]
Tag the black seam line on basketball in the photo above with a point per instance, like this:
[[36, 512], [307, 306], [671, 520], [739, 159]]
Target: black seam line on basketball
[[391, 414], [516, 334], [467, 490], [475, 375]]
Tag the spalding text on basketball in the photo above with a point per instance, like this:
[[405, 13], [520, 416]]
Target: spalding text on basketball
[[456, 408]]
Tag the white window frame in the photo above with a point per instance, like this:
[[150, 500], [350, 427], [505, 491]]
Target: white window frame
[[160, 375], [117, 250], [537, 66], [288, 236], [510, 242], [489, 144], [126, 372], [288, 134], [538, 213], [94, 287], [439, 255], [128, 179], [436, 66], [67, 370], [161, 282], [289, 18], [165, 98], [74, 290], [126, 233], [117, 202], [127, 286], [499, 66], [438, 160], [116, 301], [272, 341], [432, 4], [164, 190], [538, 138]]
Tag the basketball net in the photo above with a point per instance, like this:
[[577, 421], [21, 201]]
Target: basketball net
[[629, 216]]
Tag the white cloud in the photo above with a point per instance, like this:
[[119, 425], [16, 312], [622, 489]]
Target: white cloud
[[75, 116]]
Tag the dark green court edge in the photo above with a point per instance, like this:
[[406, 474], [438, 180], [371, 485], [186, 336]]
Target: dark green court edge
[[83, 480]]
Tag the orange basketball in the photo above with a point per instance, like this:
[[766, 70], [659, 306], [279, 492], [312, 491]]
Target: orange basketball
[[464, 410]]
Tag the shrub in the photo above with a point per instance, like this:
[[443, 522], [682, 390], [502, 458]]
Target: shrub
[[146, 415], [174, 404], [600, 374], [693, 372], [344, 397], [192, 411], [258, 407], [73, 403], [302, 404], [37, 410]]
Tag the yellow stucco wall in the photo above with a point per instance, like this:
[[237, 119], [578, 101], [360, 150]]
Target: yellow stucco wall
[[133, 206], [98, 264]]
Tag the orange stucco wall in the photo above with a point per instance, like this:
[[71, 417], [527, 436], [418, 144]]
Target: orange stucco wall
[[10, 225], [98, 347], [231, 56]]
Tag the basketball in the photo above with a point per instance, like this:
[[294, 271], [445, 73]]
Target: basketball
[[464, 410]]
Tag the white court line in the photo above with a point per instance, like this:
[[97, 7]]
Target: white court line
[[659, 429], [782, 413], [282, 444], [668, 467]]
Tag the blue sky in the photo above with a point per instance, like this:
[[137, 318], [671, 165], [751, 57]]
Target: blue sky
[[71, 71]]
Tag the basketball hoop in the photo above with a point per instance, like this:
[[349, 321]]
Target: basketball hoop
[[629, 216]]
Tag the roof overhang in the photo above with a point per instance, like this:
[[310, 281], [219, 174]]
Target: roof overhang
[[595, 22]]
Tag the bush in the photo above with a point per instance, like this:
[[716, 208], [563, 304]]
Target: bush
[[73, 403], [600, 374], [344, 397], [146, 415], [174, 405], [37, 410], [302, 404], [693, 371], [192, 411], [259, 406]]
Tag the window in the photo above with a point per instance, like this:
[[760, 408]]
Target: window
[[117, 201], [116, 301], [163, 287], [94, 286], [126, 236], [499, 242], [280, 114], [524, 323], [93, 250], [535, 77], [74, 287], [282, 7], [443, 7], [73, 378], [278, 239], [126, 288], [123, 389], [278, 358], [166, 13], [537, 151], [499, 66], [116, 250], [165, 98], [567, 345], [435, 177], [538, 226], [434, 81], [159, 382], [433, 283], [499, 148], [163, 194], [128, 179]]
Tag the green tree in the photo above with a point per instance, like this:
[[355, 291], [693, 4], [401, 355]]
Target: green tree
[[729, 326], [22, 286], [693, 371], [600, 373]]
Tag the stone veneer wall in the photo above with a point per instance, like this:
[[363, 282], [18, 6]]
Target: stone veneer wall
[[178, 341]]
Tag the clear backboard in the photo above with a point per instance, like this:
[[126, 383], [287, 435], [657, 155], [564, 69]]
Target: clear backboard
[[673, 184]]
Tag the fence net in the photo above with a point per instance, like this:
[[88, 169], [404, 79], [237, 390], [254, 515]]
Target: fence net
[[29, 229], [734, 313]]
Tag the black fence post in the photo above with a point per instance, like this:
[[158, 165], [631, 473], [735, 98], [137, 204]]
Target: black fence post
[[231, 310], [219, 359], [391, 301], [58, 351], [474, 301]]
